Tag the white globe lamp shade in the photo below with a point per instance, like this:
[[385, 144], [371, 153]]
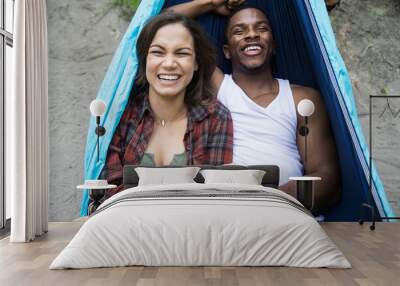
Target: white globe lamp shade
[[305, 107], [97, 107]]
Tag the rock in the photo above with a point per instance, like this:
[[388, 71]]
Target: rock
[[83, 36], [367, 33]]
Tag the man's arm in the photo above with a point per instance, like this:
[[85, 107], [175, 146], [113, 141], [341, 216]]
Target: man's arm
[[322, 159], [199, 7]]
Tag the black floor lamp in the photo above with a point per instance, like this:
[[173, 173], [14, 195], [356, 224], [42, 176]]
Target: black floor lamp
[[369, 206]]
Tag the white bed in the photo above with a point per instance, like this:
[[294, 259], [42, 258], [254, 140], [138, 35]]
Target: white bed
[[201, 224]]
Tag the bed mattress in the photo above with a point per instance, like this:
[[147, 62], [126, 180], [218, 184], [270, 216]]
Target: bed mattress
[[201, 225]]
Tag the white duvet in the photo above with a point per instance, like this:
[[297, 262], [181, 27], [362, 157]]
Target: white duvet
[[207, 230]]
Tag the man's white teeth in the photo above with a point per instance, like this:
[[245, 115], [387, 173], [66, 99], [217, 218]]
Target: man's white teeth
[[252, 48], [168, 76]]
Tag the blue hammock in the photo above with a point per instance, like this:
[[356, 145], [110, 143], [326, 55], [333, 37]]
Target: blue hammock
[[306, 55]]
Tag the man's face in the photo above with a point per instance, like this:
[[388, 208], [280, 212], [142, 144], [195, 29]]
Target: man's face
[[250, 41]]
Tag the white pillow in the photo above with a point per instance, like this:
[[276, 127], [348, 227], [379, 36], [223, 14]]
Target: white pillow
[[248, 177], [166, 176]]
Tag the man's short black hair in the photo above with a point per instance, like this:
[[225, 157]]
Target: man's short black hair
[[237, 9]]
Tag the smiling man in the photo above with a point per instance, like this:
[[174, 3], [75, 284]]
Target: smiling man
[[263, 108]]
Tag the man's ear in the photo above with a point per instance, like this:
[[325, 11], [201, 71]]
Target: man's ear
[[226, 52]]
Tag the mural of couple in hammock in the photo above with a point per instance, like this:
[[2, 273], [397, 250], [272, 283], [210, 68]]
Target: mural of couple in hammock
[[214, 82]]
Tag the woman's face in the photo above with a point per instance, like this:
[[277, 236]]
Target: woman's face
[[171, 61]]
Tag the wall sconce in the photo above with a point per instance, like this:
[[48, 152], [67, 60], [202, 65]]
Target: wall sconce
[[98, 108], [305, 108]]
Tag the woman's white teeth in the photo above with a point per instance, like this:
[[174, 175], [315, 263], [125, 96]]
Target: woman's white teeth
[[168, 76], [252, 48]]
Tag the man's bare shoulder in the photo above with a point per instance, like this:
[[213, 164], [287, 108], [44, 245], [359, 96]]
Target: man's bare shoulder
[[301, 92]]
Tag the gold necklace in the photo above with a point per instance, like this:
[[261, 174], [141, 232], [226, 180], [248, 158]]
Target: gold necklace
[[164, 122]]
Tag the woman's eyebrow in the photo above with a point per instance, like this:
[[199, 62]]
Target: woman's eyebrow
[[185, 48], [156, 46]]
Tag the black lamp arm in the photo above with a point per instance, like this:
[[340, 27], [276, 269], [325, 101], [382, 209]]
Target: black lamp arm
[[303, 131], [100, 130]]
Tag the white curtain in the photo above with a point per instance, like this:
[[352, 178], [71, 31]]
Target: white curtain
[[27, 148]]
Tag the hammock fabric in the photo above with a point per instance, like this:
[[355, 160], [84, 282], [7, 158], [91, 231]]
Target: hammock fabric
[[306, 55]]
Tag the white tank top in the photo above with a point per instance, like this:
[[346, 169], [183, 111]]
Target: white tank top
[[263, 135]]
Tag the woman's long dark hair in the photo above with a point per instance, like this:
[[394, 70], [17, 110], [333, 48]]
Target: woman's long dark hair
[[199, 90]]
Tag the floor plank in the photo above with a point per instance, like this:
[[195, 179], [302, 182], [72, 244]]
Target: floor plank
[[374, 255]]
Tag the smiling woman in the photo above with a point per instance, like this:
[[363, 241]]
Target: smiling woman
[[172, 117]]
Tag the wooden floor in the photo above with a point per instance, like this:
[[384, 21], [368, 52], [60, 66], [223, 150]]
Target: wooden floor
[[374, 255]]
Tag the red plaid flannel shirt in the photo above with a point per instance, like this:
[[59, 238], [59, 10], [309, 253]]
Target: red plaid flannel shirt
[[208, 139]]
